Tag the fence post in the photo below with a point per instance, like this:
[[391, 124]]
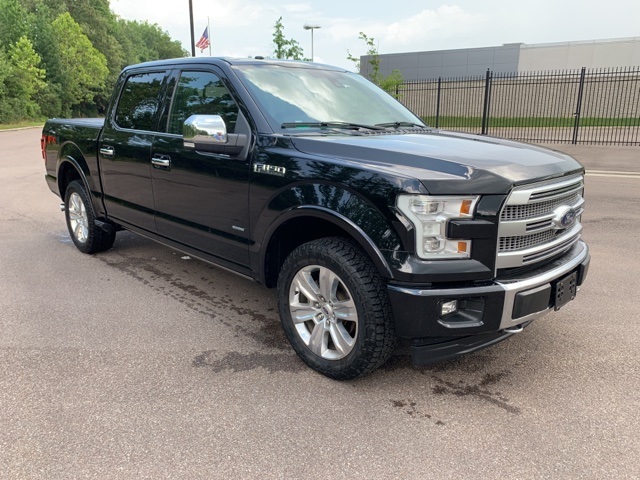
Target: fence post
[[576, 124], [487, 102], [438, 103]]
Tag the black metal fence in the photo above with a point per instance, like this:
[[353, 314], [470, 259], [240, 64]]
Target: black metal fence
[[600, 106]]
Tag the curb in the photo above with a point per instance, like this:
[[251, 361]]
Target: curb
[[620, 174], [20, 128]]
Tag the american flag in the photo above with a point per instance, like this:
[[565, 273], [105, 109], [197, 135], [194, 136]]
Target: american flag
[[204, 40]]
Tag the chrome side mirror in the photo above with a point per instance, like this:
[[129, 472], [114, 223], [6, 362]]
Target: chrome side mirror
[[204, 129], [208, 133]]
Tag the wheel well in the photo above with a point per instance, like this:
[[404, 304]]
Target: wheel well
[[290, 236], [66, 175]]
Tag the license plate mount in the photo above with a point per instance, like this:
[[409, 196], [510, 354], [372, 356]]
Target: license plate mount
[[565, 290]]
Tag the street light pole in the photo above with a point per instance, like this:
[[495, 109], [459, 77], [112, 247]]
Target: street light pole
[[312, 28]]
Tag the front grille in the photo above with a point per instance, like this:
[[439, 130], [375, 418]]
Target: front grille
[[518, 212], [509, 244], [551, 251], [531, 227]]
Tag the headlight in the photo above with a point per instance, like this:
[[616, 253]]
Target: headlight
[[430, 216]]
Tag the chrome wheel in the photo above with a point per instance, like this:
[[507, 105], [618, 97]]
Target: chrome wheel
[[334, 308], [78, 218], [87, 235], [323, 311]]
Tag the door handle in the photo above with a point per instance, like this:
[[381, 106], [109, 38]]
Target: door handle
[[107, 151], [161, 161]]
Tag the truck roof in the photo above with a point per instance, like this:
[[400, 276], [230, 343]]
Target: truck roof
[[233, 61]]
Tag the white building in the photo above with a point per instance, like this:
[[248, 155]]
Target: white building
[[511, 57]]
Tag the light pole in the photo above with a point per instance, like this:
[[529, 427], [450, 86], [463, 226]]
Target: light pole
[[312, 28]]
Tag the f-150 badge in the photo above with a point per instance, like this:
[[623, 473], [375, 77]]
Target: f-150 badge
[[269, 169]]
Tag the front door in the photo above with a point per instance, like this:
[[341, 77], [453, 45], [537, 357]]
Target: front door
[[201, 199]]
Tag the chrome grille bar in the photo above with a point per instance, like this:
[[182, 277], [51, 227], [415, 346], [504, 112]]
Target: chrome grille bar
[[532, 222]]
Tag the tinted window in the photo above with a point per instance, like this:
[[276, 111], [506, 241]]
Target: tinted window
[[139, 102], [202, 93]]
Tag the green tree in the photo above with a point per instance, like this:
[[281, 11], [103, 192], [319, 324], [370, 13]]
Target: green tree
[[286, 49], [77, 42], [42, 36], [100, 25], [83, 69], [143, 42], [121, 42], [5, 101], [14, 22], [20, 81], [388, 83], [26, 79]]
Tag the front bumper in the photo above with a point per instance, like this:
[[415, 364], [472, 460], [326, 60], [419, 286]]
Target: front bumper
[[426, 352], [488, 313]]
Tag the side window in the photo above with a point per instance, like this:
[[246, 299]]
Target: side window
[[202, 93], [139, 101]]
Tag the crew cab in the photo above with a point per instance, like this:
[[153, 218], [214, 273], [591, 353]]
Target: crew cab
[[373, 227]]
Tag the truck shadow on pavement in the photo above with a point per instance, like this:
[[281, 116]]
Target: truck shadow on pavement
[[248, 313]]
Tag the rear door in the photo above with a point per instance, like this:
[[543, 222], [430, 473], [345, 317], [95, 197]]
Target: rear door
[[125, 149], [201, 198]]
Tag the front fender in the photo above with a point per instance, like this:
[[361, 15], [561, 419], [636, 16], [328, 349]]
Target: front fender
[[360, 219]]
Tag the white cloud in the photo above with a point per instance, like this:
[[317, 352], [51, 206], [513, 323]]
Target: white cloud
[[230, 13], [413, 33], [297, 7], [245, 27], [449, 21]]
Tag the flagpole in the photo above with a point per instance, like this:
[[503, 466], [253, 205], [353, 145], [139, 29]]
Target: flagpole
[[193, 40], [209, 31]]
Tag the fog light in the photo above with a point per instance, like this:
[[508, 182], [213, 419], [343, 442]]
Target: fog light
[[447, 308]]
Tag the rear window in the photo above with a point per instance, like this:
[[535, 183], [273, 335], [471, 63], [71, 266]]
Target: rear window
[[139, 101]]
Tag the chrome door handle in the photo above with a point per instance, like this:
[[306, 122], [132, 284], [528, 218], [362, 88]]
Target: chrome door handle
[[107, 151], [161, 161]]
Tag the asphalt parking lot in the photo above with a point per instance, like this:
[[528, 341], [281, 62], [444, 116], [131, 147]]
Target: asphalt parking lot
[[143, 363]]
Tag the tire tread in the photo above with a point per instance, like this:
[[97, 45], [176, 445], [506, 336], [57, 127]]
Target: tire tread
[[379, 335]]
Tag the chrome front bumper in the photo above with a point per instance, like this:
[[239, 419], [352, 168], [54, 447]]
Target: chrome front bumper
[[503, 304]]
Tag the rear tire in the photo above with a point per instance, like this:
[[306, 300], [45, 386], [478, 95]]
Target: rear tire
[[86, 235], [335, 309]]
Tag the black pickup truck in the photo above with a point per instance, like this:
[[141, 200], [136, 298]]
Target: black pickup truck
[[373, 227]]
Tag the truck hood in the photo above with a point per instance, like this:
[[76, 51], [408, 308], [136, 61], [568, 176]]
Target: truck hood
[[446, 162]]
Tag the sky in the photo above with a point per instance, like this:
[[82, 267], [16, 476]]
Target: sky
[[243, 28]]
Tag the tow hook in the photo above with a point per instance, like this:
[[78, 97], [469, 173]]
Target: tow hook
[[514, 329]]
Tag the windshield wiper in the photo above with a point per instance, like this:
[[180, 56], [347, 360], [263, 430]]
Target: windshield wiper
[[347, 125], [400, 124]]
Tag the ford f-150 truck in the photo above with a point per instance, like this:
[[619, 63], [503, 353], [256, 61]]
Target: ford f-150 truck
[[372, 227]]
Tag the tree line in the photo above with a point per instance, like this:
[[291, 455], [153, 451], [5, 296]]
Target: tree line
[[61, 58]]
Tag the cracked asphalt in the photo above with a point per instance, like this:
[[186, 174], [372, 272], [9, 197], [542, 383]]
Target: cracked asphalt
[[143, 363]]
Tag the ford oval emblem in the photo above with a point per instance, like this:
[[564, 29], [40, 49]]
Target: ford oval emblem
[[564, 217]]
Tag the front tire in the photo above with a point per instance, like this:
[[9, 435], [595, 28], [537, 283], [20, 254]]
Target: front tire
[[335, 309], [86, 235]]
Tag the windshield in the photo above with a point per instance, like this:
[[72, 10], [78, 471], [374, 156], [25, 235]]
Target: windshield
[[293, 98]]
